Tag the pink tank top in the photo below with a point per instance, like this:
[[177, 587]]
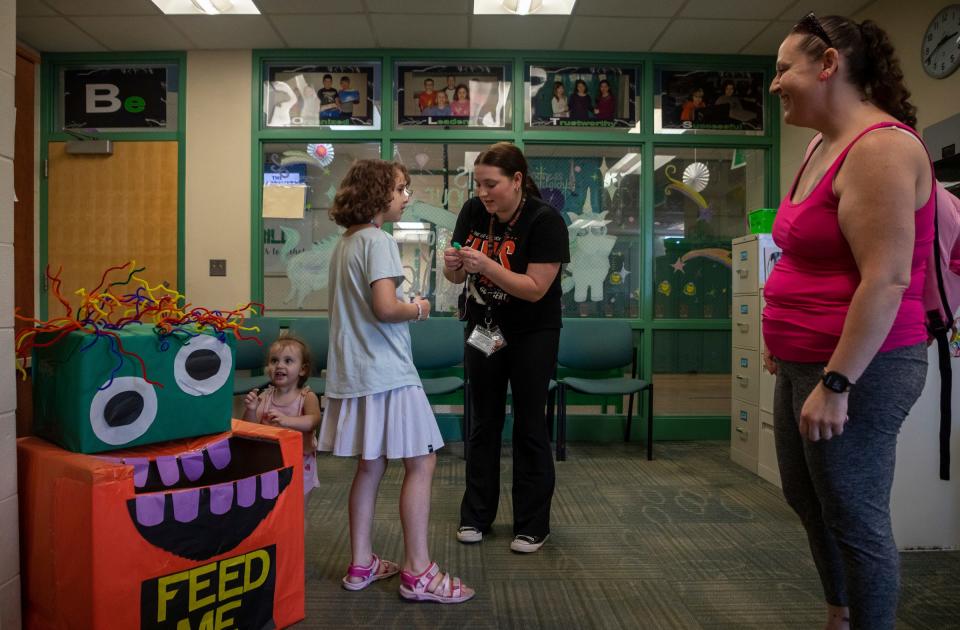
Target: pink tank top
[[292, 408], [811, 286]]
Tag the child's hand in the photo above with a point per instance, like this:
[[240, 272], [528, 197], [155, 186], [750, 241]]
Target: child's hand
[[424, 307], [275, 419], [252, 399]]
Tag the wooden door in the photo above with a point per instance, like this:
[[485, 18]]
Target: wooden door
[[24, 214], [104, 210]]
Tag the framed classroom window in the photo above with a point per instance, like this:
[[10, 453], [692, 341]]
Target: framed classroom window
[[342, 95], [452, 96], [710, 101], [582, 96], [299, 184], [119, 97], [701, 200], [441, 181], [597, 190]]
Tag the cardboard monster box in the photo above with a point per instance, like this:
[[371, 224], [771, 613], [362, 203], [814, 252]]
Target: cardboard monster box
[[91, 395], [196, 533]]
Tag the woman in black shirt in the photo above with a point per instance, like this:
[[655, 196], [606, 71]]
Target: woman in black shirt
[[512, 246]]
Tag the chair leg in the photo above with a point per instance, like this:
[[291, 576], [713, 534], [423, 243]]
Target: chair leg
[[626, 433], [562, 423], [467, 417], [649, 422], [551, 407]]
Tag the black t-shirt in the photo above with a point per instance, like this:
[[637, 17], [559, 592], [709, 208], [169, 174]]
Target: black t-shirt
[[538, 235]]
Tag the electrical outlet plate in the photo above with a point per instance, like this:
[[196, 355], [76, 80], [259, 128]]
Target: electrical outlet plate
[[218, 267]]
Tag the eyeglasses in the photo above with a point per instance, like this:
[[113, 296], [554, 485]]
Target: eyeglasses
[[811, 25], [408, 192]]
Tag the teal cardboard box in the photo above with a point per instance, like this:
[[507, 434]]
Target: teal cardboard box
[[89, 397]]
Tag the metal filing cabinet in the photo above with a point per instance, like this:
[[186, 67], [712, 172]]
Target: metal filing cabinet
[[751, 400]]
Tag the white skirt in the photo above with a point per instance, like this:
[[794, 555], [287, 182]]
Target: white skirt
[[398, 423]]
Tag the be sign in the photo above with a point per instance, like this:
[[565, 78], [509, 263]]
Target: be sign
[[115, 98]]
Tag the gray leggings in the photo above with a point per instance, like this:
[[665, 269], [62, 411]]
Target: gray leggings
[[841, 488]]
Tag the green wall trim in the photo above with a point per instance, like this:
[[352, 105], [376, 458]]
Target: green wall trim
[[50, 66]]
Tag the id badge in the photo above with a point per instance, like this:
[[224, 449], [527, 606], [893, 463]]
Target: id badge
[[487, 340]]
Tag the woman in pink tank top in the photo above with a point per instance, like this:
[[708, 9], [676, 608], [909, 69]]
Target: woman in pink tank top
[[844, 323]]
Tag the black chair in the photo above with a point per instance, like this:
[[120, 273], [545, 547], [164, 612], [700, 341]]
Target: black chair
[[437, 344], [315, 332], [600, 345], [252, 356]]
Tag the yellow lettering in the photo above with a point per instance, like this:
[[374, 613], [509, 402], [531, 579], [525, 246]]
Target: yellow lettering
[[227, 576], [196, 585], [223, 624], [207, 622], [165, 594], [183, 624], [264, 558]]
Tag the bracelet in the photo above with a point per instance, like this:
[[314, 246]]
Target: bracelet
[[419, 311]]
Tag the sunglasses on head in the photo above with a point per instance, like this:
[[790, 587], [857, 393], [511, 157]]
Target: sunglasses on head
[[809, 24]]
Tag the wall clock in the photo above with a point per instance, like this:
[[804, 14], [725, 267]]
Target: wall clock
[[940, 50]]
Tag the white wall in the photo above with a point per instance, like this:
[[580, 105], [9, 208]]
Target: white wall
[[9, 538], [217, 187], [935, 99]]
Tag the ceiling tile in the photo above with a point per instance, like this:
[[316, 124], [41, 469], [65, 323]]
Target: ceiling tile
[[135, 33], [768, 41], [735, 9], [826, 7], [33, 8], [105, 7], [613, 34], [708, 36], [55, 34], [332, 31], [308, 6], [460, 7], [627, 8], [506, 32], [418, 31], [228, 31]]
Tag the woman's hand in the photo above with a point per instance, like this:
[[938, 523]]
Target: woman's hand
[[823, 415], [452, 259], [474, 261], [424, 312], [769, 362]]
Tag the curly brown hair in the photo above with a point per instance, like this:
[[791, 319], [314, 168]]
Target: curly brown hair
[[366, 190]]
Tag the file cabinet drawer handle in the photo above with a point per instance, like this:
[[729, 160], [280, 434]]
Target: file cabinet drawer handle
[[743, 327], [743, 273], [744, 380]]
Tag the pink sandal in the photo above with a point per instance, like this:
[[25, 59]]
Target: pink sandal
[[369, 574], [450, 590]]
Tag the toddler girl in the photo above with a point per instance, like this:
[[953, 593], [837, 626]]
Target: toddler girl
[[288, 402]]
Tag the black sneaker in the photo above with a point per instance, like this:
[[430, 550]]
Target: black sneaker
[[527, 544], [469, 535]]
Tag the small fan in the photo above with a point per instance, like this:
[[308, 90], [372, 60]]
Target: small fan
[[696, 176]]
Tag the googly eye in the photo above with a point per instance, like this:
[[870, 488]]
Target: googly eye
[[123, 411], [202, 365]]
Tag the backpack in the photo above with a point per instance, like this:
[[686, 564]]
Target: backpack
[[941, 298]]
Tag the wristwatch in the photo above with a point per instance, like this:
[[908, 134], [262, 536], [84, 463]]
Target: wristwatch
[[836, 382]]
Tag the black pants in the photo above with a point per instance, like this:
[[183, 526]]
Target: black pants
[[528, 363]]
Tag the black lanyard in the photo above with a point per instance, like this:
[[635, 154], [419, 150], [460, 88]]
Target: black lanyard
[[506, 233]]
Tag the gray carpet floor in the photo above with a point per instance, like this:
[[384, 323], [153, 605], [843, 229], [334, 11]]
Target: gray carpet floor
[[689, 540]]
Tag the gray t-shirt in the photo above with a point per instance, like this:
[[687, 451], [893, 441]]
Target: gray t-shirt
[[366, 356]]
